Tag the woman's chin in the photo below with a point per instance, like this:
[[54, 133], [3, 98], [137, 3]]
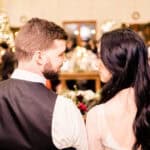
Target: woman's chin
[[104, 80]]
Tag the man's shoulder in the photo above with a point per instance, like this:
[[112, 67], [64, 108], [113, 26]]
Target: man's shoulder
[[66, 102], [4, 83], [66, 106]]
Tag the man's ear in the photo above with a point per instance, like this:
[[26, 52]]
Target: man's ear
[[39, 57]]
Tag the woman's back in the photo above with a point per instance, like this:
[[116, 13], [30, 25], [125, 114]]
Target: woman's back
[[113, 123]]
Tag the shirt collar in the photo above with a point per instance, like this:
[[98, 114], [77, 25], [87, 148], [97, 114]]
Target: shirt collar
[[28, 76]]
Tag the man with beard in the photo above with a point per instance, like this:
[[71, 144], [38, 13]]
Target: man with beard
[[31, 116]]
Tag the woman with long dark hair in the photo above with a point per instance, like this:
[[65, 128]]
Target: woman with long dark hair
[[122, 120]]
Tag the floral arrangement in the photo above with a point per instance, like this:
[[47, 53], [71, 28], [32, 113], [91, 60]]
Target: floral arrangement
[[83, 99], [80, 59]]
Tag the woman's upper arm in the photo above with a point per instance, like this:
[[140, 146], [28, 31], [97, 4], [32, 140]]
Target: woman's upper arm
[[93, 130]]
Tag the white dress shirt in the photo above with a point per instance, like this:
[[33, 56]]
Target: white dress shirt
[[68, 129]]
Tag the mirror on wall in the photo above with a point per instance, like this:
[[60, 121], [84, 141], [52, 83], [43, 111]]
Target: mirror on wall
[[80, 30]]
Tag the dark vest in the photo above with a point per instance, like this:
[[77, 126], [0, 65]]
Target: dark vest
[[26, 110]]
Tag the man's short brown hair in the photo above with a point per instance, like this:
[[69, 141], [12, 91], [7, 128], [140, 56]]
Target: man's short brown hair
[[37, 34]]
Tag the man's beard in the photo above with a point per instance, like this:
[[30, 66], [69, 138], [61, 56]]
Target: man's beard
[[49, 73]]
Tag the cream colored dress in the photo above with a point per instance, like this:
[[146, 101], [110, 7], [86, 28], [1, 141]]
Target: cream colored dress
[[109, 125]]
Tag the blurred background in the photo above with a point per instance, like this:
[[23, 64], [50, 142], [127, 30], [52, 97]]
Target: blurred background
[[84, 21], [106, 13]]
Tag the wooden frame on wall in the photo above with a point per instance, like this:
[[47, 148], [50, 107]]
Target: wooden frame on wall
[[142, 28], [14, 30], [81, 30]]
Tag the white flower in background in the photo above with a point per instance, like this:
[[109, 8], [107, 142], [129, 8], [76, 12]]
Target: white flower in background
[[89, 95], [80, 59], [84, 100], [65, 66]]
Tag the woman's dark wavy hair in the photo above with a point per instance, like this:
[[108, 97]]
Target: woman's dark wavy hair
[[125, 55]]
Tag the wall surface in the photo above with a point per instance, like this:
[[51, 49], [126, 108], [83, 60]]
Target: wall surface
[[66, 10]]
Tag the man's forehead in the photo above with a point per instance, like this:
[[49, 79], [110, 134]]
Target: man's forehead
[[58, 42]]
